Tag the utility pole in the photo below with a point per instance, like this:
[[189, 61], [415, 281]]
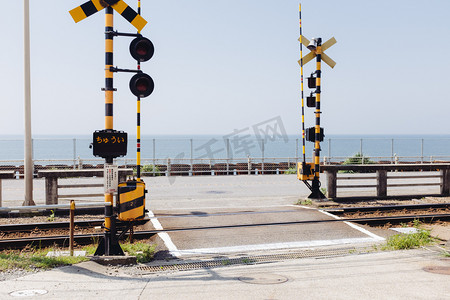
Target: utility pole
[[28, 159]]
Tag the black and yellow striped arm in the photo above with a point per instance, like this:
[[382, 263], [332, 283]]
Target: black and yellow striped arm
[[129, 14], [91, 7], [85, 10]]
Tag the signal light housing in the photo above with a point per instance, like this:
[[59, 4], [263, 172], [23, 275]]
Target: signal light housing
[[312, 82], [311, 101], [311, 134], [142, 49], [141, 85]]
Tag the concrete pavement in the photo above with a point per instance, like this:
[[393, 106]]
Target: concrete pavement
[[384, 275], [412, 274]]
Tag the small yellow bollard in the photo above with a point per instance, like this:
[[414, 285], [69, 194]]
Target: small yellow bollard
[[71, 228]]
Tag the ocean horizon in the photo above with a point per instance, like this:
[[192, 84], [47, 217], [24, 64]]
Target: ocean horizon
[[378, 146]]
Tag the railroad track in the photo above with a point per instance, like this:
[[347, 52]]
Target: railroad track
[[386, 208], [90, 238], [62, 240], [11, 228]]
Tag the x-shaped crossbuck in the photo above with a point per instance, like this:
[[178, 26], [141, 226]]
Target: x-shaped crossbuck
[[91, 7], [308, 57]]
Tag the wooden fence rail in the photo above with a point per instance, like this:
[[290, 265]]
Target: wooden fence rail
[[381, 176]]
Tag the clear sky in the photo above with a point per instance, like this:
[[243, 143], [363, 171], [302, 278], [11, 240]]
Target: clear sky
[[225, 65]]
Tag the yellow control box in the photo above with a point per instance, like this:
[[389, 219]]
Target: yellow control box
[[305, 171], [131, 200]]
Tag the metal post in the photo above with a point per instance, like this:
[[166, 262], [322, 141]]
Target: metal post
[[138, 136], [361, 148], [71, 226], [109, 90], [28, 160], [262, 154], [227, 144], [138, 120], [74, 153], [109, 245], [329, 149], [154, 157], [192, 156], [421, 152], [392, 151], [301, 87], [315, 186]]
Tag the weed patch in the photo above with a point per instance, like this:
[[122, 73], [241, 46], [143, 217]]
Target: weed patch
[[409, 241], [143, 252]]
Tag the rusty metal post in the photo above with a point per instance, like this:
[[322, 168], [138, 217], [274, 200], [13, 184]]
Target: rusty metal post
[[71, 228]]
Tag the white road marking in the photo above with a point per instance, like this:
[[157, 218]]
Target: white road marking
[[365, 231], [226, 207], [274, 246], [163, 235]]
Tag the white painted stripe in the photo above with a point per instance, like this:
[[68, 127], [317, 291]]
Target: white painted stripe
[[275, 246], [365, 231], [224, 207], [163, 235]]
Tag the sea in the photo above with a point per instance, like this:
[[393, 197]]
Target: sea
[[334, 147]]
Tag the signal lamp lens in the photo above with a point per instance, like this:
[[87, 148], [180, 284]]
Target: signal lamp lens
[[141, 85], [142, 49]]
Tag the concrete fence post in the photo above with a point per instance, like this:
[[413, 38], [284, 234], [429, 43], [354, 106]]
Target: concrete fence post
[[445, 182], [51, 190], [331, 183], [381, 183]]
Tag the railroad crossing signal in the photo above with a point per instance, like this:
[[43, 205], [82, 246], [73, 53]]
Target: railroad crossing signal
[[110, 143], [308, 57], [141, 84], [91, 7], [314, 134]]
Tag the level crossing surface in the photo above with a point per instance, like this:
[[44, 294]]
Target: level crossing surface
[[223, 203]]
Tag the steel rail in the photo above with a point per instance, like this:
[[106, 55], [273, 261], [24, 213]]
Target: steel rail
[[88, 238], [62, 240], [59, 225], [387, 208], [372, 220]]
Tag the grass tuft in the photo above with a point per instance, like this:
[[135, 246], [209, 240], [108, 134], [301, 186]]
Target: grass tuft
[[32, 259], [143, 252], [409, 241]]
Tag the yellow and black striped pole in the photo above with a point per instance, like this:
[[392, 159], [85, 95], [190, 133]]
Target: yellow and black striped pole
[[109, 90], [109, 48], [138, 121], [110, 245], [303, 102], [315, 190]]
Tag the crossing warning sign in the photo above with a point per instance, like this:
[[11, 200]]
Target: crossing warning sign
[[111, 178]]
